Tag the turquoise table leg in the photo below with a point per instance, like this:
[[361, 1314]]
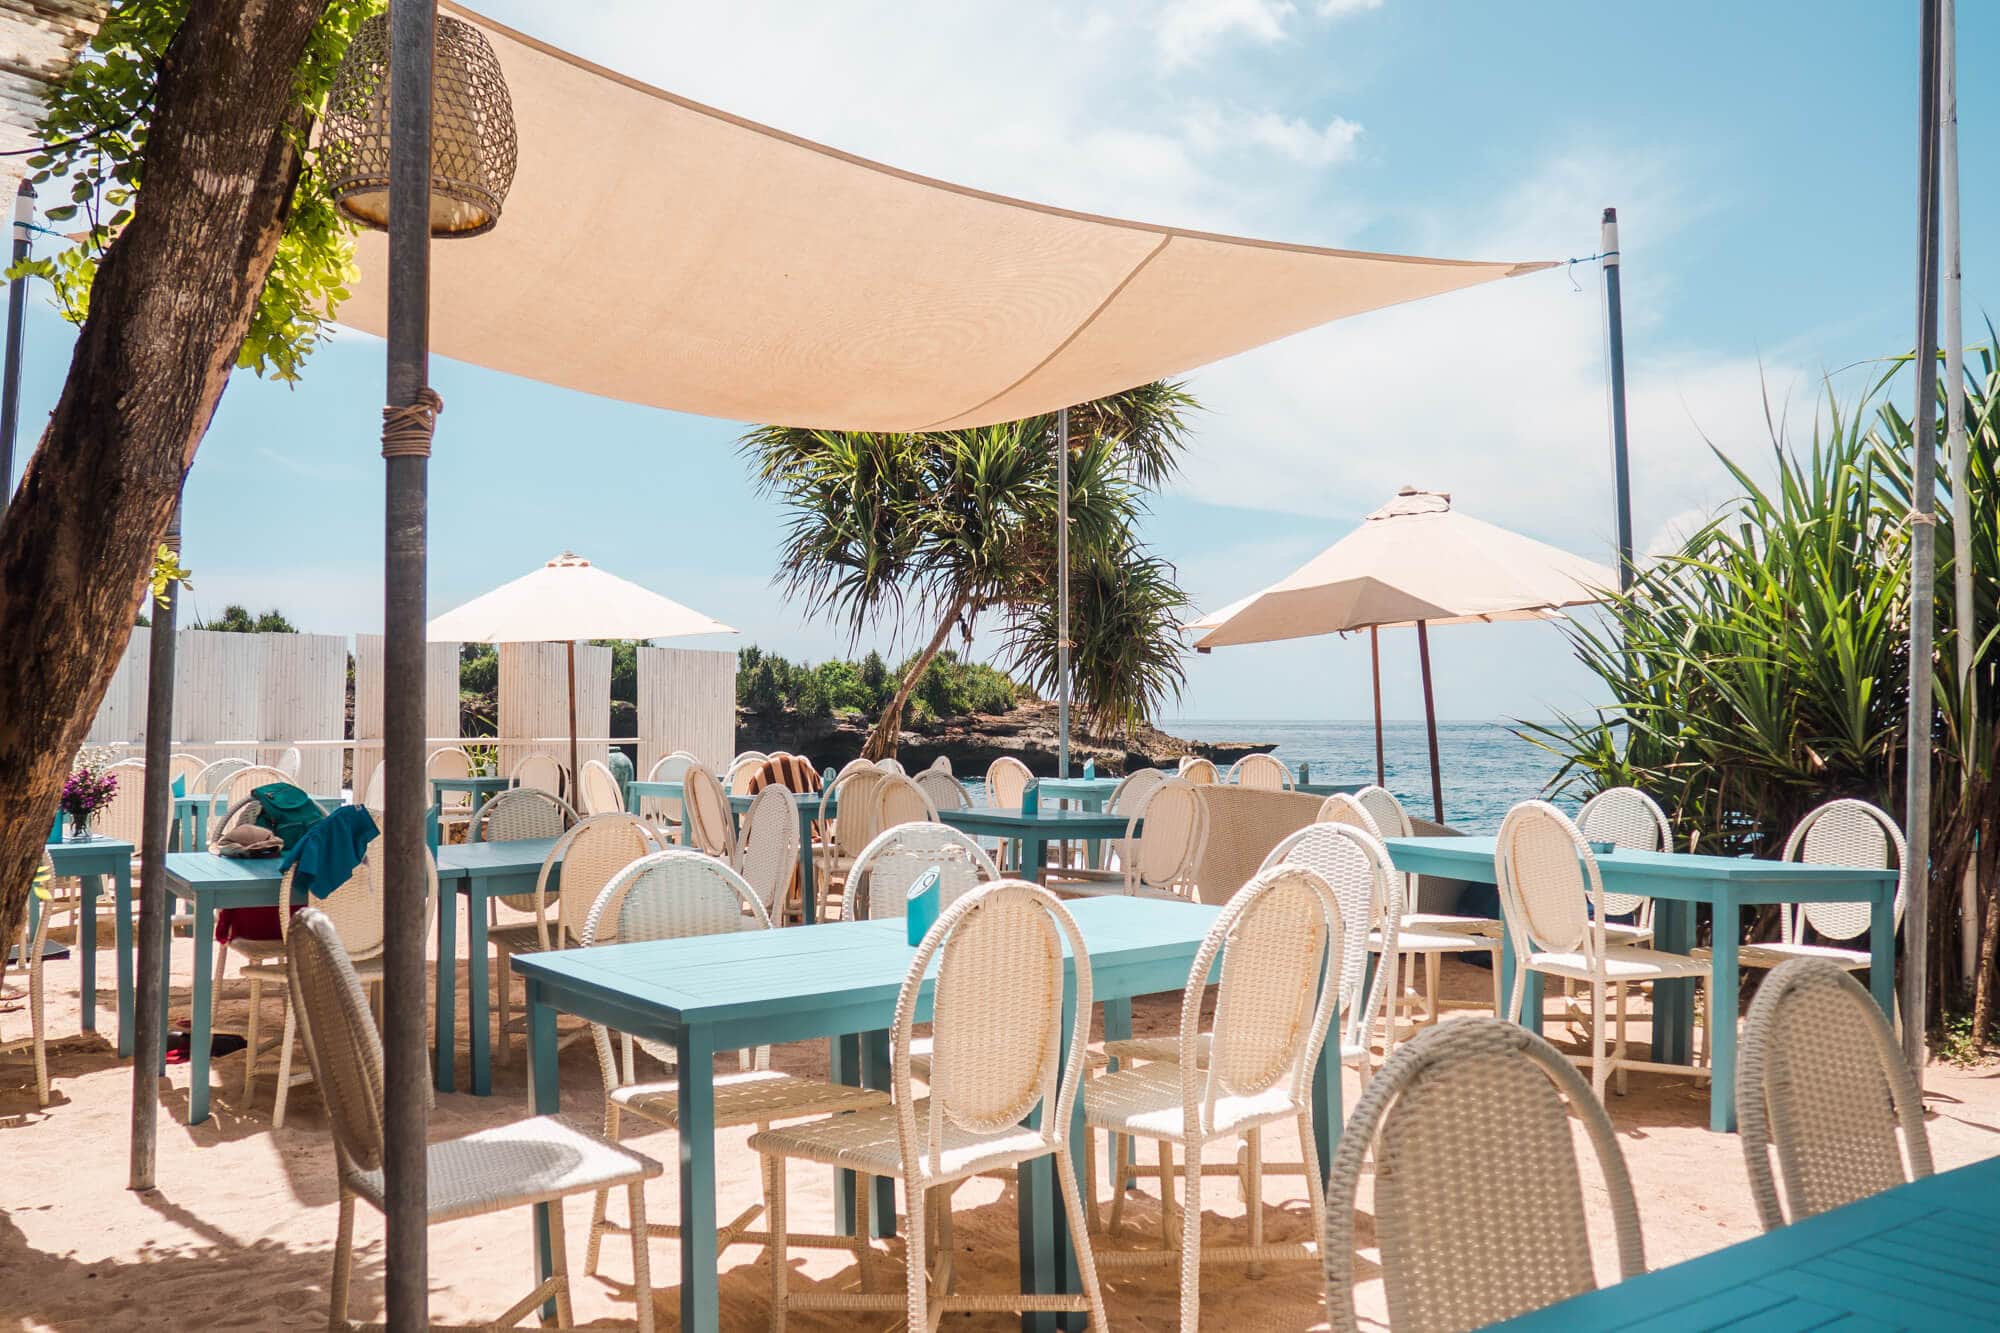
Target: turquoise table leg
[[121, 880], [1882, 950], [1032, 851], [1094, 856], [843, 1059], [1117, 1027], [701, 1305], [1673, 1001], [875, 1074], [446, 1035], [1043, 1235], [86, 948], [545, 1095], [204, 1009], [1722, 1015], [477, 994], [808, 892]]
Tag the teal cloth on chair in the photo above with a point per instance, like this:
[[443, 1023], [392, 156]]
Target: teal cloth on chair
[[321, 861]]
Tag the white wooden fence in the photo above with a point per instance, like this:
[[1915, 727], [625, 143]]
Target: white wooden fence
[[687, 701], [440, 699], [534, 702]]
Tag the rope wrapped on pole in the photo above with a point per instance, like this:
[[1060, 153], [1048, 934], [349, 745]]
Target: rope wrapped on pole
[[407, 430]]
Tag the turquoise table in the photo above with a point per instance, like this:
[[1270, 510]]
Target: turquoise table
[[1917, 1257], [481, 789], [838, 982], [1677, 882], [809, 812], [635, 790], [90, 862], [476, 872], [1033, 833], [1088, 794]]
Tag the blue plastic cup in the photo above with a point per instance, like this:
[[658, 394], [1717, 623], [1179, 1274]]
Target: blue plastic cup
[[1031, 798], [921, 910]]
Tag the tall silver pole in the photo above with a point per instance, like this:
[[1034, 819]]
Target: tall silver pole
[[1614, 357], [412, 31], [1958, 463], [1062, 593], [17, 308], [149, 1000], [1923, 562]]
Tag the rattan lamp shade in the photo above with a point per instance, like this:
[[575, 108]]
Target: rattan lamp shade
[[472, 130]]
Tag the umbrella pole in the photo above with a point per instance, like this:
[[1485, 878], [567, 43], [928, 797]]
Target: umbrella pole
[[1375, 664], [1431, 721], [575, 773], [149, 1001]]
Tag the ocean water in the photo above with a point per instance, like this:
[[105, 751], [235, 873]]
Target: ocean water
[[1486, 767]]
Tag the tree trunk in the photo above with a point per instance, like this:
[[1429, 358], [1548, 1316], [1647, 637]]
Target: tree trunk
[[169, 309], [1987, 861], [882, 741]]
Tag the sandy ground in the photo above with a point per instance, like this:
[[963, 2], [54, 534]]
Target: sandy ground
[[239, 1232]]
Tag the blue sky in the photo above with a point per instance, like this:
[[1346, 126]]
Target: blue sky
[[1761, 158]]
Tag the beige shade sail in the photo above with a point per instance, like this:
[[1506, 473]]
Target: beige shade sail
[[567, 600], [1414, 559], [662, 252]]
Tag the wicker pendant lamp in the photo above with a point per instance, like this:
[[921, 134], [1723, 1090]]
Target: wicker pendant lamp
[[472, 130]]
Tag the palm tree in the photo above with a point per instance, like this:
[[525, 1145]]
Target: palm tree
[[946, 526]]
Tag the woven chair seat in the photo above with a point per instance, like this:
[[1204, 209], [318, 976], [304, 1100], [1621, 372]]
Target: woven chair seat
[[1774, 953], [1622, 964], [755, 1097], [869, 1142], [515, 936], [1626, 932], [1168, 1050], [920, 1055], [1147, 1101], [1441, 923], [1435, 941], [531, 1161], [257, 951]]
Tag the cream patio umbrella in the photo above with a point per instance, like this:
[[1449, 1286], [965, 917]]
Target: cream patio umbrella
[[1415, 561], [566, 600]]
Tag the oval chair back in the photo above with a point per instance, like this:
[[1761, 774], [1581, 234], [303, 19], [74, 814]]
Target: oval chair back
[[243, 781], [711, 825], [945, 791], [1845, 833], [374, 792], [1201, 772], [1626, 817], [891, 764], [1341, 808], [1822, 1081], [898, 800], [1007, 780], [591, 854], [1132, 790], [997, 1033], [1391, 819], [599, 790], [207, 782], [125, 815], [186, 767], [886, 868], [1170, 840], [542, 771], [341, 1042], [941, 764], [668, 895], [742, 769], [289, 761], [857, 807], [665, 811], [1368, 891], [770, 853], [1550, 889], [1262, 771], [1476, 1097], [451, 761], [522, 814], [354, 909]]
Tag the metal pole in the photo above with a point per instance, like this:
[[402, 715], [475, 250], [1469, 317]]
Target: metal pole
[[575, 772], [1062, 593], [412, 31], [1375, 662], [17, 314], [1431, 721], [1923, 571], [1614, 336], [149, 1000], [1965, 630]]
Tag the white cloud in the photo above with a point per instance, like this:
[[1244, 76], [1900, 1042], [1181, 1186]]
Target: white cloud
[[1210, 128], [1340, 8], [1189, 29]]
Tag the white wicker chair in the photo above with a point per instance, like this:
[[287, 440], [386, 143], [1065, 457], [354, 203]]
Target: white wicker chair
[[880, 878], [998, 1038], [289, 761], [1158, 857], [28, 961], [941, 764], [899, 800], [711, 824], [1425, 936], [1263, 771], [374, 794], [125, 816], [1822, 1083], [854, 795], [186, 767], [741, 770], [543, 1160], [1629, 819], [520, 814], [542, 771], [207, 782], [1007, 779], [1479, 1201], [664, 813], [243, 781], [1839, 833], [590, 855], [891, 764], [1278, 940], [1553, 897], [945, 791], [353, 912], [599, 790], [451, 761], [674, 895], [769, 856], [1199, 771]]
